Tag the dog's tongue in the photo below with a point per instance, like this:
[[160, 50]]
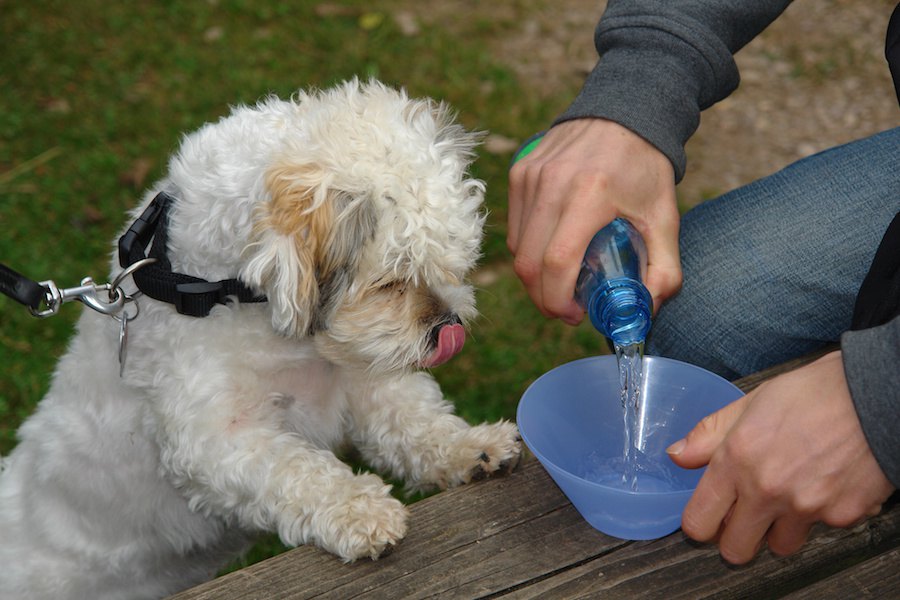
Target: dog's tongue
[[450, 341]]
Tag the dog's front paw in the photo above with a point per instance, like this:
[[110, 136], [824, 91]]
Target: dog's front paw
[[367, 522], [482, 451]]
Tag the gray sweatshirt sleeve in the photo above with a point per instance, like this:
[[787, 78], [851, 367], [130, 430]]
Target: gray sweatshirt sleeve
[[872, 366], [661, 63]]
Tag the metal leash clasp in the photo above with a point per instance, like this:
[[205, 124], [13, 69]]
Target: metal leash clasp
[[104, 298], [108, 299]]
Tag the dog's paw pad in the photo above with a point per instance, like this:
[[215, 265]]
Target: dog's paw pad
[[387, 551], [496, 450], [508, 466], [478, 473], [487, 468], [376, 532], [367, 523]]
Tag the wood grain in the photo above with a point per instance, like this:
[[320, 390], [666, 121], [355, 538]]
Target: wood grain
[[520, 538]]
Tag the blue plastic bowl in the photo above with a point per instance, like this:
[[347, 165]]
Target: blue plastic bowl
[[572, 420]]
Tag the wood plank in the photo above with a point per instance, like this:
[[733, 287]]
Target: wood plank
[[453, 538], [675, 567], [875, 578], [520, 536]]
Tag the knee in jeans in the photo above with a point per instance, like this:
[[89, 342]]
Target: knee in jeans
[[700, 332]]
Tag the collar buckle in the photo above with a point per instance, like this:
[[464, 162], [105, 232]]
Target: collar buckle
[[197, 299], [142, 229]]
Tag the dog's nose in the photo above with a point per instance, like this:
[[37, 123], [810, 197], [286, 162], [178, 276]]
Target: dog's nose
[[447, 338]]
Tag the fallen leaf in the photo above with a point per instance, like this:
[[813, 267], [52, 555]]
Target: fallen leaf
[[213, 34], [370, 21], [137, 173], [332, 9], [407, 23], [93, 215], [498, 144], [58, 105]]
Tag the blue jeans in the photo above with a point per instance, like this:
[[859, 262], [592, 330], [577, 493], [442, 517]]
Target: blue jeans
[[772, 269]]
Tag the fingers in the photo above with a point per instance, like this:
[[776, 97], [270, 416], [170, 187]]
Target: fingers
[[554, 212], [523, 178], [540, 168], [546, 267], [786, 536], [664, 259], [529, 224], [697, 448], [789, 454], [515, 208], [746, 529], [708, 508], [740, 523], [566, 247], [582, 175], [718, 510]]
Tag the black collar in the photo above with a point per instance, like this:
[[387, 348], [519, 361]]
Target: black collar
[[191, 295]]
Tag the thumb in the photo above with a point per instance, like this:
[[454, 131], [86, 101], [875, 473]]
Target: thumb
[[664, 275], [697, 447]]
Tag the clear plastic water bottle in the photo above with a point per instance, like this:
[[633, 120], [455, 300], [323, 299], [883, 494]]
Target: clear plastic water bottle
[[610, 284]]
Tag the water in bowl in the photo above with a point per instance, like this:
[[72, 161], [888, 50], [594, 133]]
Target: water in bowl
[[641, 474]]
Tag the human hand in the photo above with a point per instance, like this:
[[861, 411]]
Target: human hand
[[785, 456], [582, 175]]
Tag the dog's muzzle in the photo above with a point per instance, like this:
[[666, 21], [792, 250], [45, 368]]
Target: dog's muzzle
[[448, 339]]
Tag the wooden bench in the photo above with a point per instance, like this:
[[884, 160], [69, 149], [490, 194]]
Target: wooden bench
[[519, 537]]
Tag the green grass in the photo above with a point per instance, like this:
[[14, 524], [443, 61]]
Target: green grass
[[96, 94]]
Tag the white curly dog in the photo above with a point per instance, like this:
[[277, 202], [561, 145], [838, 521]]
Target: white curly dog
[[352, 212]]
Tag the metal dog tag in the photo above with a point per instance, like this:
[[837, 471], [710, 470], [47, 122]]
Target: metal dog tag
[[123, 341]]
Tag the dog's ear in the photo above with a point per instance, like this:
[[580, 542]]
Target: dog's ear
[[307, 241], [290, 230], [354, 223]]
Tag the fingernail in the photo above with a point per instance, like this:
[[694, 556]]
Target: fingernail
[[676, 448]]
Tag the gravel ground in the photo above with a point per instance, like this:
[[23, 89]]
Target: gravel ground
[[814, 79]]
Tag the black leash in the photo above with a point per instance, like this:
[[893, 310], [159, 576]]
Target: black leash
[[152, 273], [44, 298], [21, 289], [142, 254], [191, 295]]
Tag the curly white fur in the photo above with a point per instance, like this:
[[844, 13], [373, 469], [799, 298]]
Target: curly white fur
[[352, 211]]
